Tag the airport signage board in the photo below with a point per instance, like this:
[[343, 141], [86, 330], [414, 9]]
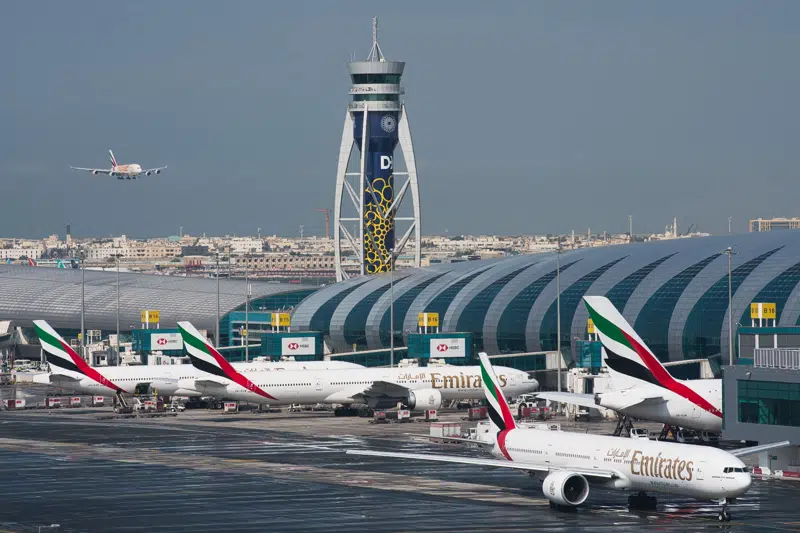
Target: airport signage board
[[430, 320], [281, 320], [150, 316], [763, 310], [297, 346], [166, 341], [448, 348]]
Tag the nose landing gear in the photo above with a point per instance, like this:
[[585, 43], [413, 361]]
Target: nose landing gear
[[724, 515]]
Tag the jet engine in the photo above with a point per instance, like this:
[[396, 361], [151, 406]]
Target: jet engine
[[148, 172], [158, 172], [422, 400], [565, 488], [94, 172]]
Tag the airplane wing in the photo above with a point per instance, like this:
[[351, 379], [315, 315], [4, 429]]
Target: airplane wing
[[584, 400], [753, 450], [210, 383], [376, 390], [148, 171], [94, 170], [496, 463]]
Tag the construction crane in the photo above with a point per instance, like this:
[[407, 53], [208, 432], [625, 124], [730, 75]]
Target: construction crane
[[327, 221]]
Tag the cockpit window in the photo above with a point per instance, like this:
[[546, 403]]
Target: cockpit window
[[732, 469]]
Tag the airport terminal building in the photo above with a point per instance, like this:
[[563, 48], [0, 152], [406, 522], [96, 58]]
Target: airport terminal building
[[674, 293], [52, 294]]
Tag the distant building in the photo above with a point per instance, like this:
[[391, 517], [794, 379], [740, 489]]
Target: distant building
[[769, 224], [196, 249]]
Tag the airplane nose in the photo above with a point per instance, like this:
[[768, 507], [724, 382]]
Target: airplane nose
[[746, 481]]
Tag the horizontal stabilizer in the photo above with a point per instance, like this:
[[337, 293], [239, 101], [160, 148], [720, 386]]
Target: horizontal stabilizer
[[583, 400], [754, 450]]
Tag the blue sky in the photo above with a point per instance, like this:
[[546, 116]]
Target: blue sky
[[527, 116]]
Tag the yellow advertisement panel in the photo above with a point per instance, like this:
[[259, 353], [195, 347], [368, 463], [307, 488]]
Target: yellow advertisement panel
[[590, 326]]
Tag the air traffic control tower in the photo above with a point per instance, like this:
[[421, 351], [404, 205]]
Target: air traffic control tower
[[369, 190]]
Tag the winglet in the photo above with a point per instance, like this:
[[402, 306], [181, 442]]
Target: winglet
[[499, 412], [206, 358]]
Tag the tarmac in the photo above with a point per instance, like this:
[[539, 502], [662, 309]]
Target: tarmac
[[281, 472]]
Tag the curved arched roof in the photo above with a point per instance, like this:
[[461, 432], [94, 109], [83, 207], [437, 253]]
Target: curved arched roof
[[53, 294], [674, 292]]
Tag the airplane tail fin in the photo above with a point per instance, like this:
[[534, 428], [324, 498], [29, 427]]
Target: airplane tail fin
[[499, 412], [206, 358], [64, 360], [627, 356], [112, 158]]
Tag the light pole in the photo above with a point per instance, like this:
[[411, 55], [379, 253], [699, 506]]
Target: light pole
[[729, 252], [558, 310], [246, 315], [729, 224], [118, 357], [391, 307], [83, 308], [216, 335]]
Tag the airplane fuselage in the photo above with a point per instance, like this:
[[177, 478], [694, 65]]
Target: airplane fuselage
[[638, 464], [675, 409], [166, 380], [433, 384]]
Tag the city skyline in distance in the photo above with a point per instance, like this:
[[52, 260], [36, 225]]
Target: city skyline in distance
[[554, 119]]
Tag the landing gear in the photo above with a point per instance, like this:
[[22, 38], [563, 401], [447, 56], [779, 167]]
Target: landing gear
[[666, 430], [724, 515], [642, 501], [345, 410], [624, 426]]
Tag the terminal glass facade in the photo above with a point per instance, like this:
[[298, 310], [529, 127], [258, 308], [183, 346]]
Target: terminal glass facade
[[673, 292], [767, 402]]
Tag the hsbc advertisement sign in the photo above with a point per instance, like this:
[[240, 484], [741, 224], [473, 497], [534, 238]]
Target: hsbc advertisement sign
[[297, 346], [166, 341], [448, 348]]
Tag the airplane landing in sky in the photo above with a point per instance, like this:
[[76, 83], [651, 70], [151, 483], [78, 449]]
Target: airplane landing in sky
[[122, 172]]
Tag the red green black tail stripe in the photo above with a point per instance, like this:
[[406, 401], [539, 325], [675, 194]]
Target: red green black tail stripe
[[662, 377], [222, 364], [75, 362]]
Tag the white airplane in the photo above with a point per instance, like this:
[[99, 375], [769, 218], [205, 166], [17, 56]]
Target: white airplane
[[379, 388], [69, 370], [571, 462], [122, 172], [640, 386]]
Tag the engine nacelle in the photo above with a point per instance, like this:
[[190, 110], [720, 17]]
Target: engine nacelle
[[148, 173], [94, 172], [158, 172], [565, 488], [423, 400]]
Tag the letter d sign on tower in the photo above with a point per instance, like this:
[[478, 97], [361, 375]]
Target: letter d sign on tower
[[369, 194]]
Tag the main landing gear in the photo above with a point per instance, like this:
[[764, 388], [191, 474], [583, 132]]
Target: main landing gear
[[724, 515], [642, 501], [624, 426]]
